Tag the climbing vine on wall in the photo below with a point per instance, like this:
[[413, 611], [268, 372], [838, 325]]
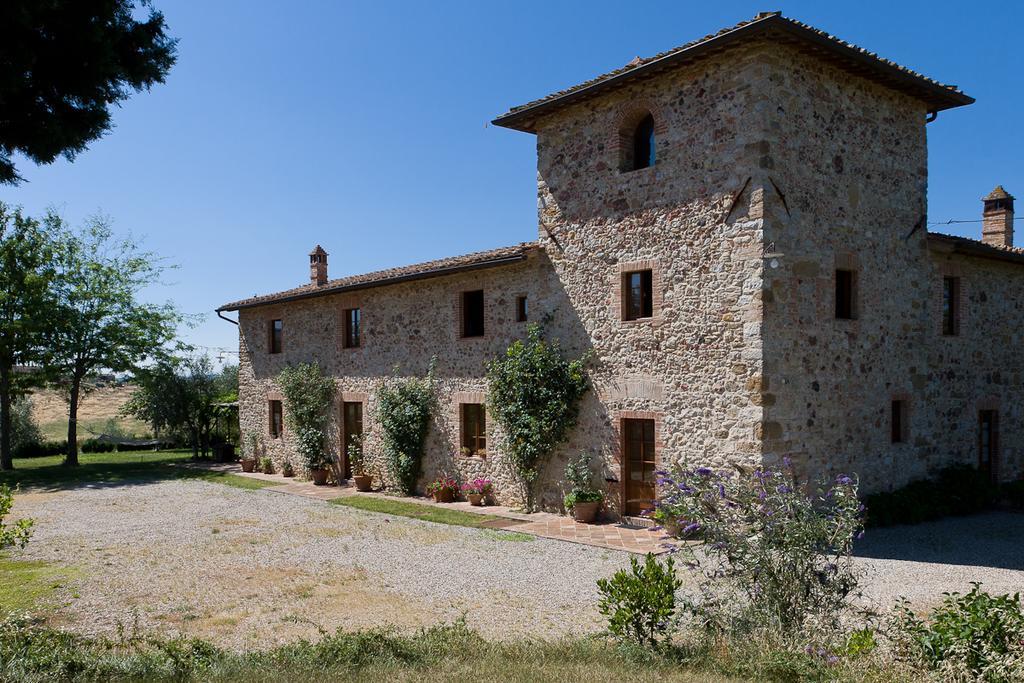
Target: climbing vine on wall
[[534, 394], [308, 395], [403, 410]]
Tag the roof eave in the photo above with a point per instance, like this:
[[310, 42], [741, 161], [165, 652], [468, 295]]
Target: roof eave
[[328, 290], [965, 246], [525, 119]]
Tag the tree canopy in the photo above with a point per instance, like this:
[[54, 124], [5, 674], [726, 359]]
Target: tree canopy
[[26, 272], [98, 320], [63, 64]]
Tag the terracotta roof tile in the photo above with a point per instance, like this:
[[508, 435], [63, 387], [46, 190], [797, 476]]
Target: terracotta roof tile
[[975, 247], [951, 95], [418, 271]]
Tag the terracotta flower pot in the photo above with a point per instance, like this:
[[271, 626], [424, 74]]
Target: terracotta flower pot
[[363, 482], [444, 496], [319, 476], [248, 465], [475, 499], [585, 513]]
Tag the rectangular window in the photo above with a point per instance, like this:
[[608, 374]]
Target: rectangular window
[[846, 295], [276, 335], [950, 306], [352, 328], [474, 429], [522, 311], [898, 421], [276, 419], [473, 313], [637, 295]]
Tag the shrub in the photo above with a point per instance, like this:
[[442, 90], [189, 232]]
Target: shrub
[[955, 490], [25, 432], [403, 408], [21, 531], [266, 465], [773, 557], [534, 394], [640, 604], [976, 636], [580, 479], [308, 395]]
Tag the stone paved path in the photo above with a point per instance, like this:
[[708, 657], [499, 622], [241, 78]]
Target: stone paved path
[[611, 535]]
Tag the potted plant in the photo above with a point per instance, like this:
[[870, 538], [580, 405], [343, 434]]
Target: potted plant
[[443, 489], [249, 458], [584, 499], [477, 491], [287, 469], [362, 478], [266, 465]]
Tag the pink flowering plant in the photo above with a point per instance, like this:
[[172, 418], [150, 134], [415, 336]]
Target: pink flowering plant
[[479, 486], [442, 483], [771, 553]]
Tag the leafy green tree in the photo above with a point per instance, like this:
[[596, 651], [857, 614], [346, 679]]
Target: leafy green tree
[[99, 323], [534, 393], [26, 270], [63, 64], [178, 396]]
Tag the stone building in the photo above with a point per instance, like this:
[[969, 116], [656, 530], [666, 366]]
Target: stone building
[[736, 229]]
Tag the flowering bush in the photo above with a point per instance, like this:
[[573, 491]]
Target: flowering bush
[[771, 555], [478, 487], [443, 483]]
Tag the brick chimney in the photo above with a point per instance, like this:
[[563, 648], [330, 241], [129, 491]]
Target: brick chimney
[[318, 266], [997, 218]]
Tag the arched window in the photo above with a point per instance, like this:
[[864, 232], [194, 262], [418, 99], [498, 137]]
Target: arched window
[[643, 143]]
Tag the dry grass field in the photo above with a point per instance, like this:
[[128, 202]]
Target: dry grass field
[[99, 407]]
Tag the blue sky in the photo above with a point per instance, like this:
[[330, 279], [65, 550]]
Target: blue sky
[[363, 127]]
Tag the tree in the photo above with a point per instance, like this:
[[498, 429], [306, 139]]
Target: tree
[[63, 64], [98, 321], [179, 396], [26, 270]]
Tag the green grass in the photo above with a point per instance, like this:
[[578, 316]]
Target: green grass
[[27, 585], [429, 513], [113, 469], [57, 430]]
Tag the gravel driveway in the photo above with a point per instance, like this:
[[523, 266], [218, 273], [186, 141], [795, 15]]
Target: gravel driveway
[[257, 567], [251, 568]]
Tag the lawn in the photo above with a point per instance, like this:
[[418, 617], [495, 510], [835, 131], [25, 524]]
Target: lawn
[[106, 469], [29, 584], [427, 513]]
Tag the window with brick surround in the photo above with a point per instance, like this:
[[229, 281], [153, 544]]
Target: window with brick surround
[[846, 294], [898, 421], [473, 417], [522, 309], [275, 329], [473, 313], [637, 295], [950, 306], [276, 426], [352, 328], [644, 151]]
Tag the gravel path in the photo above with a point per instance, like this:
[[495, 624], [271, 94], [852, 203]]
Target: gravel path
[[250, 568], [256, 566]]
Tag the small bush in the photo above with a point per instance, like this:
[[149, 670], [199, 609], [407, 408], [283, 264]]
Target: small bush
[[640, 604], [580, 478], [955, 490], [976, 636], [18, 533]]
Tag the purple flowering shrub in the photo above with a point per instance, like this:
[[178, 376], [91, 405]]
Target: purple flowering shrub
[[770, 554]]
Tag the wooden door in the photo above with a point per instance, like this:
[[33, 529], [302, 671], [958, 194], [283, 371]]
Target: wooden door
[[638, 449], [352, 428], [988, 444]]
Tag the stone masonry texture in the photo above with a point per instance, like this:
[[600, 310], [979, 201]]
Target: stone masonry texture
[[774, 168]]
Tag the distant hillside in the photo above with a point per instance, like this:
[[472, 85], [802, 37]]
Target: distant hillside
[[51, 413]]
